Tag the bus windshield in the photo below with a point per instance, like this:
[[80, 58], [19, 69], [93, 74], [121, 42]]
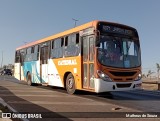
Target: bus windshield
[[119, 52]]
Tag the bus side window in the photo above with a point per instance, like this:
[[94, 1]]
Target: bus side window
[[22, 56], [36, 52], [28, 55], [52, 49], [29, 50], [32, 53], [57, 48], [52, 44], [72, 45], [62, 47], [77, 38], [66, 41], [77, 44], [17, 57], [62, 42], [32, 49]]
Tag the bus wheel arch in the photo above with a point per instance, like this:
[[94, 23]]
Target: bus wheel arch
[[69, 83], [29, 78]]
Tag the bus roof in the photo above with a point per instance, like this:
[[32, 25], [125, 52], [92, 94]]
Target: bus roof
[[64, 33], [70, 31]]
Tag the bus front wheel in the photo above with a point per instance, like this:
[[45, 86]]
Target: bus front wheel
[[70, 84]]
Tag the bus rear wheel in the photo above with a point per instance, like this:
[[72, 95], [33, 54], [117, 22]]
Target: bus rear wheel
[[29, 81], [70, 84]]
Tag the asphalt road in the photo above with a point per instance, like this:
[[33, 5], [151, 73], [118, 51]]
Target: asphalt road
[[53, 103]]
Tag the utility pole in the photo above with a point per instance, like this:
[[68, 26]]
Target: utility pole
[[75, 22]]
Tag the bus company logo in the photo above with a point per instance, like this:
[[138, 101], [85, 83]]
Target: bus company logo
[[67, 62], [6, 115]]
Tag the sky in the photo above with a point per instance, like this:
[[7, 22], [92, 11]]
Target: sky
[[24, 21]]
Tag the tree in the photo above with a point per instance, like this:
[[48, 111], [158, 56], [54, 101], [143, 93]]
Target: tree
[[149, 73], [158, 69], [143, 76]]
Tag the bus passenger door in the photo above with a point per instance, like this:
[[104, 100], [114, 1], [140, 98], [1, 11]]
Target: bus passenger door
[[17, 66], [88, 62], [44, 54], [22, 55], [17, 71]]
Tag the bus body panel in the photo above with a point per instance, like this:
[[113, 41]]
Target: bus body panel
[[17, 67], [32, 68], [44, 73], [55, 78], [70, 65]]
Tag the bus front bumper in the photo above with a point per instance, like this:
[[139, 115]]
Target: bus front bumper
[[104, 86]]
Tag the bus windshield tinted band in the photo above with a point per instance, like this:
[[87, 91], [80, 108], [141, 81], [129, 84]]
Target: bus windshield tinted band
[[105, 28]]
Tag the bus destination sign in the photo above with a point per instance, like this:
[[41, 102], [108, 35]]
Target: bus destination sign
[[116, 30]]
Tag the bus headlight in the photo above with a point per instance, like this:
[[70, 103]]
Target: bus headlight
[[138, 77], [103, 76]]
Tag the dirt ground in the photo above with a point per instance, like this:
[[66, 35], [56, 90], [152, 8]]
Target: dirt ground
[[150, 86]]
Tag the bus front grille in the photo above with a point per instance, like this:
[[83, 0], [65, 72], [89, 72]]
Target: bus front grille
[[123, 73], [123, 85]]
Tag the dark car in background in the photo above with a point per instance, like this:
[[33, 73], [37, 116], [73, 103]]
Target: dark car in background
[[7, 72]]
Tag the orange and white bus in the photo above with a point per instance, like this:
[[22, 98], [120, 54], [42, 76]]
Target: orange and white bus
[[97, 56]]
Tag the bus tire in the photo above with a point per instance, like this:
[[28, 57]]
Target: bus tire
[[70, 84], [29, 79]]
